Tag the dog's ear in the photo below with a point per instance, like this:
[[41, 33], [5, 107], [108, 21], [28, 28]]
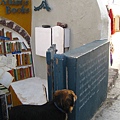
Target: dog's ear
[[68, 103], [57, 97], [65, 99]]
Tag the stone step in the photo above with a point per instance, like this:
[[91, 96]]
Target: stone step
[[113, 75]]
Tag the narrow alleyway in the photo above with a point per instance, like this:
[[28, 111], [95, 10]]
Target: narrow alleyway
[[116, 53], [110, 110]]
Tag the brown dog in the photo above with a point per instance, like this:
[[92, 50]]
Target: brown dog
[[57, 109]]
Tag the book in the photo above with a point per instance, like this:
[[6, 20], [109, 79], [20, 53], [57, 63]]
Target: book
[[28, 59], [8, 34], [24, 73], [15, 38], [11, 72], [18, 57], [2, 32], [18, 74], [24, 46], [25, 56], [0, 49], [27, 72], [23, 59], [13, 47], [19, 46], [30, 71], [15, 75], [21, 74], [8, 47]]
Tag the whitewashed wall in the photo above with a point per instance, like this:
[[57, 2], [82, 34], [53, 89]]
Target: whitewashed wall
[[87, 19]]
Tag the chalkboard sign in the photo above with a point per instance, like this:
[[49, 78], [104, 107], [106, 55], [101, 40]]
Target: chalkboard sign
[[88, 77]]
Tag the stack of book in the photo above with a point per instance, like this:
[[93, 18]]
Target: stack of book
[[5, 103]]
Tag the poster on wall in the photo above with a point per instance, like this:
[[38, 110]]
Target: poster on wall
[[18, 11]]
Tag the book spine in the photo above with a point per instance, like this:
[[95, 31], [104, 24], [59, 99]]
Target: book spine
[[10, 47], [28, 58], [7, 47], [15, 75], [13, 47], [30, 71], [10, 36], [21, 74], [18, 59], [24, 72], [23, 59], [18, 74], [7, 34], [12, 73], [16, 44], [20, 46], [24, 46], [2, 48], [2, 33]]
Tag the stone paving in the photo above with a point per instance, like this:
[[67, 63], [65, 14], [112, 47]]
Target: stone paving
[[110, 110], [113, 75]]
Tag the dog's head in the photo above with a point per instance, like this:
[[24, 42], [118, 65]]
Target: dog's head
[[65, 99]]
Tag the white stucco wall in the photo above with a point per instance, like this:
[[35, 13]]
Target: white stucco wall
[[87, 20], [105, 20]]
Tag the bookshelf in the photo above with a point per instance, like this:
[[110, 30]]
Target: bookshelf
[[12, 44]]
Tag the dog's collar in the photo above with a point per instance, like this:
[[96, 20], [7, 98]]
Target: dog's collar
[[59, 108]]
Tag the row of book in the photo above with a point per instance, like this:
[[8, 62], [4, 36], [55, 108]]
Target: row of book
[[22, 73], [12, 47], [23, 59], [7, 35]]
